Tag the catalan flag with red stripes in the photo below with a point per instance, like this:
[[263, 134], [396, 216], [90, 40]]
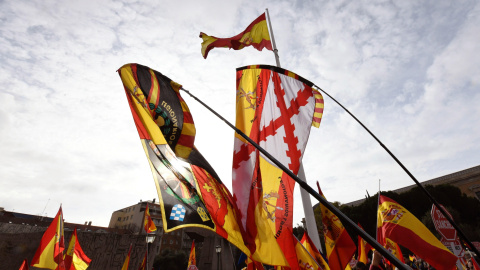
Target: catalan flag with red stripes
[[255, 35], [189, 190], [398, 224]]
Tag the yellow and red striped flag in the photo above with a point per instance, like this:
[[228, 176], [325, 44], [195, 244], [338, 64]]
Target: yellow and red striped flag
[[75, 258], [398, 224], [363, 248], [255, 35], [192, 260], [275, 108], [50, 251], [312, 249], [126, 263], [393, 247], [189, 190], [148, 223], [338, 243]]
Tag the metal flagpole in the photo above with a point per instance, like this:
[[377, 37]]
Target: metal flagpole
[[307, 203], [275, 51], [461, 234], [345, 220]]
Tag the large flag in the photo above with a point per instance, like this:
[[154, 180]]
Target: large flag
[[148, 223], [398, 224], [256, 35], [275, 108], [75, 258], [189, 190], [126, 263], [338, 243], [192, 261], [49, 253], [24, 265], [312, 249]]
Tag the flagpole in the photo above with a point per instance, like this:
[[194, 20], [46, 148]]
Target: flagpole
[[461, 234], [275, 51], [307, 203], [389, 256]]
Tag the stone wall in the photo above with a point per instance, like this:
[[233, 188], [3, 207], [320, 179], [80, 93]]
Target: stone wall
[[107, 250]]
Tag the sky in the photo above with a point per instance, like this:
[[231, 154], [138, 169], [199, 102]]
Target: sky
[[409, 70]]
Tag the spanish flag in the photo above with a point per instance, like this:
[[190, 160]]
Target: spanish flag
[[338, 243], [191, 258], [148, 224], [312, 249], [50, 251], [24, 265], [127, 259], [363, 248], [398, 224], [75, 258], [394, 249], [255, 35], [144, 261]]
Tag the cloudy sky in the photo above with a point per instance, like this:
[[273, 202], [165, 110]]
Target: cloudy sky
[[410, 70]]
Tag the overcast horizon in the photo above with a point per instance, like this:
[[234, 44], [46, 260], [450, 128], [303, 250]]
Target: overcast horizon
[[410, 71]]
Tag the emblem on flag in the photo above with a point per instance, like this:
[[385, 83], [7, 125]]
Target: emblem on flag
[[178, 212]]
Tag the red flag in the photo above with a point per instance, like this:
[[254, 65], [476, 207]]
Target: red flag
[[312, 249], [75, 258], [398, 224], [475, 264], [191, 258], [24, 265], [275, 108], [338, 243], [50, 251], [148, 224], [256, 35], [127, 259]]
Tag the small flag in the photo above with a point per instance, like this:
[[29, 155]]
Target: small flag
[[312, 249], [75, 258], [338, 244], [398, 224], [144, 261], [256, 35], [50, 251], [24, 265], [192, 261], [148, 223], [127, 259], [363, 248]]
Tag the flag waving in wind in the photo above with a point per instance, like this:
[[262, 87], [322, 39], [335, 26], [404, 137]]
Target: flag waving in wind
[[398, 224], [148, 224], [50, 251], [192, 261], [189, 190], [275, 108], [75, 258], [256, 35]]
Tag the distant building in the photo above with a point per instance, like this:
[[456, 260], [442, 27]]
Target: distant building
[[468, 181], [131, 217]]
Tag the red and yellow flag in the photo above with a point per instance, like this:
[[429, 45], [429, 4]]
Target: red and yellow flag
[[50, 251], [144, 262], [148, 223], [75, 258], [398, 224], [127, 259], [191, 258], [275, 108], [312, 249], [363, 248], [24, 265], [394, 249], [338, 243], [256, 35], [189, 190]]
